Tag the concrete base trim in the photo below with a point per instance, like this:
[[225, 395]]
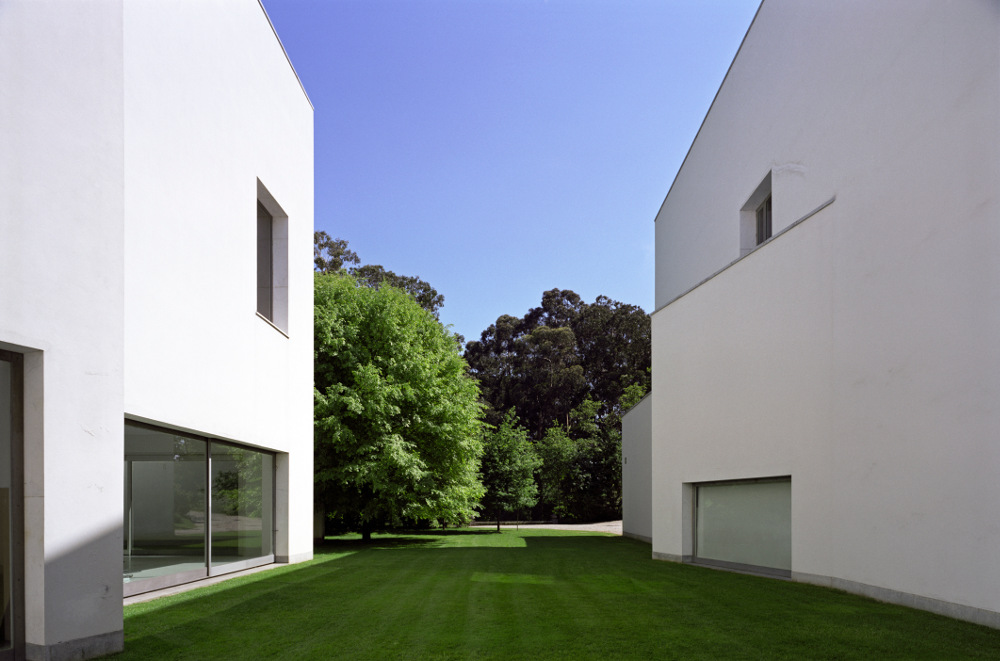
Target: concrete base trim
[[292, 559], [641, 538], [670, 557], [958, 611], [77, 650], [185, 587]]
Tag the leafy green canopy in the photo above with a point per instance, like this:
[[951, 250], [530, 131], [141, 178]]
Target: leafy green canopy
[[559, 354], [508, 469], [330, 255], [580, 477], [397, 430], [570, 369]]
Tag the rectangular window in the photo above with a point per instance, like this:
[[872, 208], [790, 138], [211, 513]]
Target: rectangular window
[[764, 221], [194, 508], [745, 525], [11, 505], [242, 489], [165, 514], [272, 260], [265, 272], [755, 217]]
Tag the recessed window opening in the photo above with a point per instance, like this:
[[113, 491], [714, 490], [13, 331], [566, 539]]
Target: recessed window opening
[[12, 616], [764, 221], [194, 507], [755, 217], [745, 525], [265, 272], [272, 260]]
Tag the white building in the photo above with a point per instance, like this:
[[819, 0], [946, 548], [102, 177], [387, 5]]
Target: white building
[[155, 309], [637, 468], [826, 340]]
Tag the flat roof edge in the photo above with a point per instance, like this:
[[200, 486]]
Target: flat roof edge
[[709, 111], [287, 59]]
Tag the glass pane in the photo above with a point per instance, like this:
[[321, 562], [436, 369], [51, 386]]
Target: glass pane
[[242, 503], [6, 438], [265, 282], [748, 523], [164, 503]]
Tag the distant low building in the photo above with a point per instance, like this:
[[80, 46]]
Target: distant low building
[[637, 466], [156, 219], [826, 339]]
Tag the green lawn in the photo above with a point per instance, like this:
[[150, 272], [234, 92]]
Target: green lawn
[[533, 594]]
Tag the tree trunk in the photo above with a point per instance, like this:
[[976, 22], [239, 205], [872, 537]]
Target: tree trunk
[[498, 520], [366, 531]]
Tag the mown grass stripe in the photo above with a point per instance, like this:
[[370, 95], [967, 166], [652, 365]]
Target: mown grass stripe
[[529, 594]]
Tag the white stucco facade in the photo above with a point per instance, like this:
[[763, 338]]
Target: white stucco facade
[[637, 467], [137, 140], [855, 352]]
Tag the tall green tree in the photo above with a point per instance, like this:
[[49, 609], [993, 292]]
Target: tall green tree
[[508, 469], [552, 378], [546, 363], [566, 367], [375, 275], [331, 255], [614, 342], [397, 430], [580, 476]]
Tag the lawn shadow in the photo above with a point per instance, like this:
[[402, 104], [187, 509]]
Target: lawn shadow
[[538, 593]]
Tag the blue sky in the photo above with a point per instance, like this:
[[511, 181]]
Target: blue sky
[[498, 149]]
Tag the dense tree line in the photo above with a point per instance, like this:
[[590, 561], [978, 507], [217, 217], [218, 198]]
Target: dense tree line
[[567, 370], [407, 430]]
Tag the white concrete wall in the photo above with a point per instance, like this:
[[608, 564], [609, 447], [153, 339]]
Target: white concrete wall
[[857, 352], [61, 303], [637, 471], [165, 114], [212, 105]]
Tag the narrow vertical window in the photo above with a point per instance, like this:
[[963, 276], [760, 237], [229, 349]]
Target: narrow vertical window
[[11, 505], [265, 270], [755, 218], [764, 221], [272, 260]]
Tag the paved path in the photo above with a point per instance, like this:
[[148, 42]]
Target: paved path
[[613, 527]]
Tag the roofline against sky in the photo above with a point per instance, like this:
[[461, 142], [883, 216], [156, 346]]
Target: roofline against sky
[[288, 59], [710, 106]]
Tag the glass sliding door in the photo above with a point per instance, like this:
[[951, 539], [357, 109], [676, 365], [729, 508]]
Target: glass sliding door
[[11, 507], [242, 504], [165, 516], [745, 525], [193, 508]]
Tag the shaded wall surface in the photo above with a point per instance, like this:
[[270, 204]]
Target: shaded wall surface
[[854, 352], [637, 471]]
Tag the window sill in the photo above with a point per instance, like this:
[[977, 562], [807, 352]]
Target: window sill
[[271, 324]]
